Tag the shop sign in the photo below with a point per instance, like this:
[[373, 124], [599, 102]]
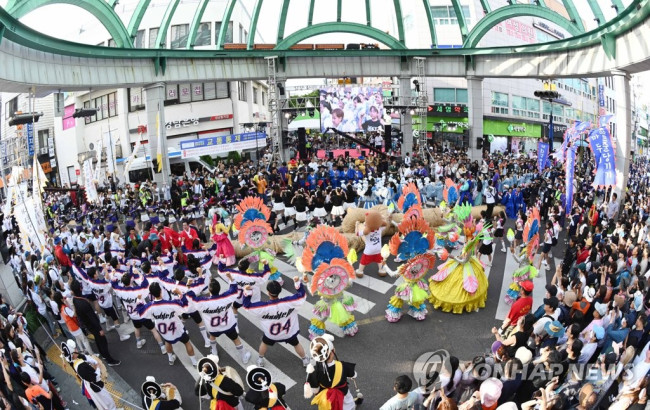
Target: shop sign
[[516, 128]]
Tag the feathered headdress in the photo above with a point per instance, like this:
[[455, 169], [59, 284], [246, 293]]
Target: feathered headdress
[[415, 237], [450, 192], [323, 244], [251, 209], [410, 202]]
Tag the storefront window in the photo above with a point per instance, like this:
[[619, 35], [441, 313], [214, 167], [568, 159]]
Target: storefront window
[[499, 103], [445, 95]]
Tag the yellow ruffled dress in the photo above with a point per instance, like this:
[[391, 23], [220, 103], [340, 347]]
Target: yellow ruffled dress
[[459, 285]]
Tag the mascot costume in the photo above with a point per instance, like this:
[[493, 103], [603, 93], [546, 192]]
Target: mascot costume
[[371, 231]]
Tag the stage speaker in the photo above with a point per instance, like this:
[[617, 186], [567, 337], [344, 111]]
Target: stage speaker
[[388, 137], [302, 141]]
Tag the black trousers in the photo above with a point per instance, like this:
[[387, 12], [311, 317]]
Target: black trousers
[[490, 209], [102, 346]]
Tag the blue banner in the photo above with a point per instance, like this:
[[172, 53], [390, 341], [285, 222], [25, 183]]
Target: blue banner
[[600, 142], [30, 139], [569, 169], [542, 155], [603, 120], [222, 144]]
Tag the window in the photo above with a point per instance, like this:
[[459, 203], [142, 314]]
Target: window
[[111, 43], [112, 105], [204, 35], [499, 103], [245, 36], [135, 99], [184, 93], [525, 107], [171, 94], [241, 89], [445, 15], [42, 139], [11, 107], [180, 32], [228, 37], [450, 95], [461, 95], [444, 95], [241, 34], [197, 92], [263, 98], [254, 95], [223, 89], [153, 34], [139, 39], [106, 107]]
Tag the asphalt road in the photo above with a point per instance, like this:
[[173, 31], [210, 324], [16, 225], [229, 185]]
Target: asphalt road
[[381, 350]]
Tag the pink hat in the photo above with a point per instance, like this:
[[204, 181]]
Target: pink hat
[[490, 391]]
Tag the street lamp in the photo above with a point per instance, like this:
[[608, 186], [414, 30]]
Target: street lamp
[[548, 94]]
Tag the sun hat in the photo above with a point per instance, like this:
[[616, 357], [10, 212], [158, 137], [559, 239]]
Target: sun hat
[[554, 329], [490, 391]]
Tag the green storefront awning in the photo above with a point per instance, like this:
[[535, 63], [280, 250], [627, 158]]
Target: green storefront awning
[[511, 128]]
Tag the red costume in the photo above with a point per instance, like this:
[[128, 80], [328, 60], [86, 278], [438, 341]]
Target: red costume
[[187, 237], [63, 259]]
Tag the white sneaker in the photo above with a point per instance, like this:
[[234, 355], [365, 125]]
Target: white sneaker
[[246, 357], [206, 345], [109, 328], [305, 361], [140, 343], [163, 351], [172, 360], [124, 337], [544, 262], [102, 319], [260, 361]]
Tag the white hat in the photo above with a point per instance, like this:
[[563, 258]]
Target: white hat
[[321, 351], [601, 308], [524, 355], [589, 294], [71, 345]]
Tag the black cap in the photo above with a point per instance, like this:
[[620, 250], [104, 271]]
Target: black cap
[[552, 290], [274, 288], [553, 302]]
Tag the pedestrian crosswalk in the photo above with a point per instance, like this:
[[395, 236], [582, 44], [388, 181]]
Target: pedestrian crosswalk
[[368, 292]]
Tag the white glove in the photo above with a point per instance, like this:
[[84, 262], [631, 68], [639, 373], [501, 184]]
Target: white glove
[[308, 393], [310, 368]]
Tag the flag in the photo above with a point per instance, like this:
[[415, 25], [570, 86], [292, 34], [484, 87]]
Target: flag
[[600, 142], [569, 168], [159, 154], [129, 161], [603, 120], [542, 155]]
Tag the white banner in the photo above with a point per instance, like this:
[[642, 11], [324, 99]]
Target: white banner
[[38, 183], [109, 143], [89, 183]]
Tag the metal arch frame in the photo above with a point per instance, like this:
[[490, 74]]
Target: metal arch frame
[[598, 14], [196, 22], [344, 27], [283, 20], [98, 8], [460, 16], [17, 32], [517, 10], [253, 26], [225, 22], [310, 16], [136, 18], [432, 27], [161, 38], [400, 21], [369, 13], [573, 13]]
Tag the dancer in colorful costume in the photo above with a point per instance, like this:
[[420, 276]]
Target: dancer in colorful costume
[[327, 256], [219, 235], [254, 230], [460, 283], [450, 193], [525, 256], [411, 244], [410, 202], [447, 234]]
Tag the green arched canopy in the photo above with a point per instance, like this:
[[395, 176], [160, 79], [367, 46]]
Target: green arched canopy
[[353, 28], [100, 9], [516, 10]]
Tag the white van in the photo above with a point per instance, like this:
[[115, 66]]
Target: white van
[[142, 167]]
